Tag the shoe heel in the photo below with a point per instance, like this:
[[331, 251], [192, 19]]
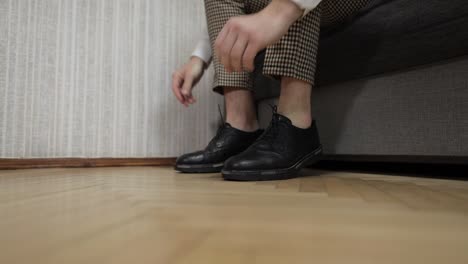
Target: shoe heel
[[315, 157]]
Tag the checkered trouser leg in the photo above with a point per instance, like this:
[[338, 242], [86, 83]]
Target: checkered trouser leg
[[294, 55]]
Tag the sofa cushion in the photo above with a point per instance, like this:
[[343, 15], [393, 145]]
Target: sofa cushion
[[394, 116], [387, 35], [391, 35]]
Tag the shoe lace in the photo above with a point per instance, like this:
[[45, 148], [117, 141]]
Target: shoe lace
[[221, 128], [271, 133]]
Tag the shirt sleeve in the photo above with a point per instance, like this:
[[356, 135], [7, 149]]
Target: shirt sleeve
[[307, 5], [203, 49]]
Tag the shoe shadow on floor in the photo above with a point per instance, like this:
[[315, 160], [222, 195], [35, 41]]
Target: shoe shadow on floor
[[304, 173]]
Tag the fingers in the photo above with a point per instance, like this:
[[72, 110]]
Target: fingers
[[237, 53], [221, 36], [249, 56], [187, 91], [224, 50], [236, 48], [177, 81]]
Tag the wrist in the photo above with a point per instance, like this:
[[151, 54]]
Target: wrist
[[198, 62], [286, 10]]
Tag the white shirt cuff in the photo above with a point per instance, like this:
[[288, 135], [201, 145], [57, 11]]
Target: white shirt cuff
[[203, 50], [307, 5]]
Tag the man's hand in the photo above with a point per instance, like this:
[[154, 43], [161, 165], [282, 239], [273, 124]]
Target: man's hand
[[243, 37], [185, 78]]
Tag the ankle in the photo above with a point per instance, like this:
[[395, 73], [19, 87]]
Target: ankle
[[294, 101], [246, 125], [299, 119], [240, 109]]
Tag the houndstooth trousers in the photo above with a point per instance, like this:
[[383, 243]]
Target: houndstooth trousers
[[295, 55]]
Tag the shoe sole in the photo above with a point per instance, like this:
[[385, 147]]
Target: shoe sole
[[200, 168], [276, 174]]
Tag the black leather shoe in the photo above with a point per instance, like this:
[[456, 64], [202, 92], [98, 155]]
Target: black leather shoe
[[228, 142], [280, 153]]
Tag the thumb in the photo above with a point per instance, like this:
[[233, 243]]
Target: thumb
[[187, 87]]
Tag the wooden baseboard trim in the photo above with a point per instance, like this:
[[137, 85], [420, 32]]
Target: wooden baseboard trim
[[11, 164], [8, 164], [462, 160]]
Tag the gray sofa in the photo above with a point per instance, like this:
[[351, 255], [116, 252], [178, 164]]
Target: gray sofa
[[392, 84]]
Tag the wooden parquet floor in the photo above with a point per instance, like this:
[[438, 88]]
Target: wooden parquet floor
[[155, 215]]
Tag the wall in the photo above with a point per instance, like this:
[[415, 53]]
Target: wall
[[91, 78]]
